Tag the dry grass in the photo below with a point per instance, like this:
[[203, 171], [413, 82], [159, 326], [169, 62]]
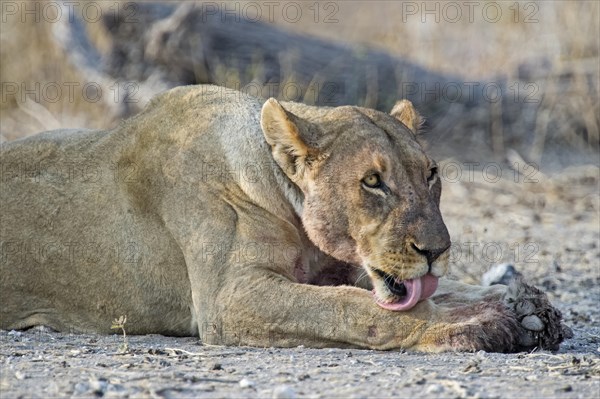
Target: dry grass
[[557, 39], [29, 59], [565, 32]]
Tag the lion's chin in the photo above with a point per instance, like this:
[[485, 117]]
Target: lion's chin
[[417, 289]]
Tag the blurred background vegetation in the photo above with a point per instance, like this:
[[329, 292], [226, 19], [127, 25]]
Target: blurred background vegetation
[[540, 59]]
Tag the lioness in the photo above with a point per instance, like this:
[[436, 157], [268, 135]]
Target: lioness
[[246, 222]]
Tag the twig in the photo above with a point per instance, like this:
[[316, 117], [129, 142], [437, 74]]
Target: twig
[[176, 351]]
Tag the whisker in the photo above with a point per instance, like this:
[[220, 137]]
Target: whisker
[[360, 277]]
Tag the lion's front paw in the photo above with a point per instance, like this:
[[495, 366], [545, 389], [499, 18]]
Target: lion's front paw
[[540, 322]]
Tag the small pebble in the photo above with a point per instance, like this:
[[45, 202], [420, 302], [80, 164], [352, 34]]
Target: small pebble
[[98, 385], [216, 366], [246, 383], [434, 388], [499, 274], [472, 367], [81, 387], [284, 392]]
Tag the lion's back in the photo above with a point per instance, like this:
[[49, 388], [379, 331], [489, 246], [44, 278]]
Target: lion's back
[[199, 104]]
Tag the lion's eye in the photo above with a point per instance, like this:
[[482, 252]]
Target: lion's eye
[[431, 174], [372, 181]]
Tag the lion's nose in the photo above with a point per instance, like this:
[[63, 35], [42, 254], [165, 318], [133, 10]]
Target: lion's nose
[[430, 254]]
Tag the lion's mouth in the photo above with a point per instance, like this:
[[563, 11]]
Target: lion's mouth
[[406, 293]]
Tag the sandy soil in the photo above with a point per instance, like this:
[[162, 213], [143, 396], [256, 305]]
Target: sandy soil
[[548, 227]]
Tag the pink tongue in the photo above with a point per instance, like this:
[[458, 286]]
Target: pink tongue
[[417, 289]]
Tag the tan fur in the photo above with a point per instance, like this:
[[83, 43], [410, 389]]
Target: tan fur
[[192, 220], [404, 111]]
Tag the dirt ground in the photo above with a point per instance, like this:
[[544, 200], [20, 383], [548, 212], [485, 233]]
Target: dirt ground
[[548, 227]]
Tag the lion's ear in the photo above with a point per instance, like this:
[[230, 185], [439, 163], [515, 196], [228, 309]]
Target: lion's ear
[[282, 132], [406, 113]]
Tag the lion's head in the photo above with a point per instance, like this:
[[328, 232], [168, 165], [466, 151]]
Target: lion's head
[[371, 194]]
